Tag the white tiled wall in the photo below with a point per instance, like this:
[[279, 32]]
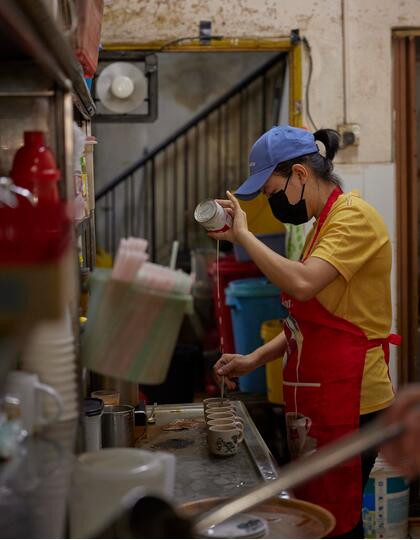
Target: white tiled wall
[[376, 183]]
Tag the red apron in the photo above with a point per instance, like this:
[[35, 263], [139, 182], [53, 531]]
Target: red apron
[[322, 383]]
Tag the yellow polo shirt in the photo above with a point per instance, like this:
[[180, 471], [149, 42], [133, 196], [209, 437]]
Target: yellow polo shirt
[[354, 239]]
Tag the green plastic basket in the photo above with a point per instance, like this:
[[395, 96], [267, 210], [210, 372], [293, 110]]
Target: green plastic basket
[[131, 332]]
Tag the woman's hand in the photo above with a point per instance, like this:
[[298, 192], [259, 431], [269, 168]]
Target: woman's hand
[[240, 225], [404, 452], [233, 365]]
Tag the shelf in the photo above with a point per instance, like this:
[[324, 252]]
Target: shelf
[[27, 30]]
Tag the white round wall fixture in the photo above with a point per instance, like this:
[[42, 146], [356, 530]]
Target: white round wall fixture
[[121, 87]]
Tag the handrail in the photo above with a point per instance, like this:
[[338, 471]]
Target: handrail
[[191, 123]]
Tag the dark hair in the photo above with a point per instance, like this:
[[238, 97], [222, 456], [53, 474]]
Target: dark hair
[[322, 166]]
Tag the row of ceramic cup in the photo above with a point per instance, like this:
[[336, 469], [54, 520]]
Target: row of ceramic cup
[[51, 354], [225, 429]]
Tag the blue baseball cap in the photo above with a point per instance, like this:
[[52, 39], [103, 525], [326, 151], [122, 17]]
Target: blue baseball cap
[[279, 144]]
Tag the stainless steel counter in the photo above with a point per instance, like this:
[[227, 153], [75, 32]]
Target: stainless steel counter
[[198, 473], [34, 486]]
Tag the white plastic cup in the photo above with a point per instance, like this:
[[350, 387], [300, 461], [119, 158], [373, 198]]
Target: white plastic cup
[[28, 388]]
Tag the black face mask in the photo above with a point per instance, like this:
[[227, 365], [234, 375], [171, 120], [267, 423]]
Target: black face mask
[[286, 212]]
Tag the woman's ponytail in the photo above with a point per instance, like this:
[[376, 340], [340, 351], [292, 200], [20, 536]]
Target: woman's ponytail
[[330, 139]]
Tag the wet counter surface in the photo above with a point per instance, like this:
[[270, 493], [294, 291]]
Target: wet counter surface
[[199, 474]]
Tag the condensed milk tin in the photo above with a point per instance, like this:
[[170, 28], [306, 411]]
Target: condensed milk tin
[[212, 216]]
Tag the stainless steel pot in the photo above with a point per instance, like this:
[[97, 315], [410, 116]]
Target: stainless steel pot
[[118, 426]]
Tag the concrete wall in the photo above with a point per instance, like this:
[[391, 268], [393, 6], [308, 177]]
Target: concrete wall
[[367, 65], [368, 57]]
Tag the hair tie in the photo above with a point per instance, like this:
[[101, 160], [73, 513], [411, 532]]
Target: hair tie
[[322, 149]]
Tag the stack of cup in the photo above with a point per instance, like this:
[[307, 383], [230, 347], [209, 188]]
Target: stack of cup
[[51, 354], [225, 429]]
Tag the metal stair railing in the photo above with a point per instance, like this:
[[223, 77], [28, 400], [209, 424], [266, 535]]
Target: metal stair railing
[[155, 196]]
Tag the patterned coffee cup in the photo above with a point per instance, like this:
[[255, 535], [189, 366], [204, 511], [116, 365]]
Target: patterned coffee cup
[[224, 440]]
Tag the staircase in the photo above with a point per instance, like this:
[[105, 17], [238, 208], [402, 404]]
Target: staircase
[[155, 197]]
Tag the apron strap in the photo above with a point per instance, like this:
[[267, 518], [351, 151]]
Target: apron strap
[[321, 220], [393, 339]]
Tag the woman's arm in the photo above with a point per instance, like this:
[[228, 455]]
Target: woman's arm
[[271, 350], [236, 365], [301, 280]]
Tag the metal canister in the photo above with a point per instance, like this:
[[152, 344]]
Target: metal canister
[[212, 216], [118, 426]]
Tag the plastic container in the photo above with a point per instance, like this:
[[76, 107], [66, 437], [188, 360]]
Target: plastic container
[[252, 302], [385, 503], [229, 270], [276, 242], [34, 168], [92, 412], [274, 369], [131, 330]]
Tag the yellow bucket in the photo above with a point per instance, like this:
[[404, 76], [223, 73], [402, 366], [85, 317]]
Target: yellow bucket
[[274, 369]]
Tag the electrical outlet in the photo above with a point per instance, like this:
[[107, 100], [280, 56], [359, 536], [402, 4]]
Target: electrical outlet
[[349, 135]]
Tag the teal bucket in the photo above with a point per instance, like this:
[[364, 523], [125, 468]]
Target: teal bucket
[[252, 302]]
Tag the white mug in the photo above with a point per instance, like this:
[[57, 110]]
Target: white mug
[[224, 410], [28, 388], [225, 422], [102, 479], [224, 440], [223, 416], [216, 402], [298, 427]]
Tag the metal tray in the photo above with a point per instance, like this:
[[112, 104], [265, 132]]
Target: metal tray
[[200, 474]]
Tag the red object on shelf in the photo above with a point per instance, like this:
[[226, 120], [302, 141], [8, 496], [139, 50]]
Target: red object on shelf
[[36, 231], [229, 270], [88, 34], [34, 234], [34, 168]]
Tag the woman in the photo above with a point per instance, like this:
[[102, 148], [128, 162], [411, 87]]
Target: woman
[[338, 296]]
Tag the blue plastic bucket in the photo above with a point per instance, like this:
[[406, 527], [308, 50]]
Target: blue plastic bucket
[[252, 301], [276, 242]]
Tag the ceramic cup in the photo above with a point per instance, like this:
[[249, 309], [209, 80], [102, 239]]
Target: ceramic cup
[[219, 402], [101, 480], [225, 422], [223, 416], [221, 408], [215, 410], [28, 388], [224, 440], [298, 427]]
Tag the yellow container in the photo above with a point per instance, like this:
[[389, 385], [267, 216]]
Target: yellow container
[[274, 369], [259, 216]]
